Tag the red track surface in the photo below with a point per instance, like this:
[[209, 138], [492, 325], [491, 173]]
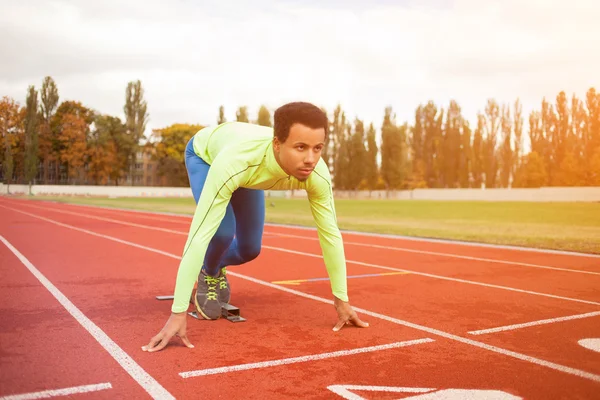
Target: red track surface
[[450, 291]]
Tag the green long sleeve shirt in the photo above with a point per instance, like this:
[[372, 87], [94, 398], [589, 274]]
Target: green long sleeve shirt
[[241, 155]]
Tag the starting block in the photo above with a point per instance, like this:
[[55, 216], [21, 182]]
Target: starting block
[[228, 311]]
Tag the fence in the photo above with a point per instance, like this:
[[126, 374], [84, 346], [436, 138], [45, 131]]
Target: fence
[[544, 194]]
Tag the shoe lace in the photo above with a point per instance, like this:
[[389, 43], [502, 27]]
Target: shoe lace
[[222, 280], [211, 282]]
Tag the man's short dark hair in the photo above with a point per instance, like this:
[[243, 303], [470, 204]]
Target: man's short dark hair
[[303, 113]]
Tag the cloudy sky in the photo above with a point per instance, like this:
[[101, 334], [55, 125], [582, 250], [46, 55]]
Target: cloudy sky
[[193, 56]]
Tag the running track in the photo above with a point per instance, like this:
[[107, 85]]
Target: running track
[[447, 320]]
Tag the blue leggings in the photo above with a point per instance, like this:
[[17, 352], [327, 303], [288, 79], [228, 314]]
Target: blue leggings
[[239, 237]]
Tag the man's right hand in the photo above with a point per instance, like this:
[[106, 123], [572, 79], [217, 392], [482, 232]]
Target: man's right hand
[[175, 326]]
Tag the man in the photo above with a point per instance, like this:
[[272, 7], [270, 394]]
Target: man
[[229, 167]]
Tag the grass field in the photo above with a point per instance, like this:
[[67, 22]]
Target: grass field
[[563, 226]]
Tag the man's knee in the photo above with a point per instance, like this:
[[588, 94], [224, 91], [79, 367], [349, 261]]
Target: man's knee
[[250, 251]]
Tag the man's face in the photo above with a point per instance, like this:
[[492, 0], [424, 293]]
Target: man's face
[[300, 153]]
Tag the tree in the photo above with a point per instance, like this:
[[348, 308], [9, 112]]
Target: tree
[[491, 128], [432, 127], [371, 169], [241, 114], [47, 143], [548, 127], [337, 145], [11, 126], [466, 155], [107, 154], [31, 136], [170, 151], [451, 146], [592, 140], [73, 142], [136, 117], [560, 138], [393, 151], [506, 158], [478, 152], [357, 156], [222, 118], [264, 117], [72, 122], [532, 172], [518, 130]]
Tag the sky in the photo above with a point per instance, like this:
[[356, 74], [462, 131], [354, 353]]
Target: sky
[[193, 56]]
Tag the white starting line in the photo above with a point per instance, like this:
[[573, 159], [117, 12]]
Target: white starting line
[[313, 357], [534, 323], [59, 392]]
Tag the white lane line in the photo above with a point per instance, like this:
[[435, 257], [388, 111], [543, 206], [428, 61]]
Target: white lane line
[[432, 331], [449, 255], [440, 277], [45, 394], [534, 323], [359, 263], [522, 249], [147, 382], [293, 360]]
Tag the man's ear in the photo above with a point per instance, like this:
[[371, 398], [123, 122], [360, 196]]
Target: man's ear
[[276, 144]]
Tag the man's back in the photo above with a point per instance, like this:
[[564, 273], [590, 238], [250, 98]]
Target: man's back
[[249, 138]]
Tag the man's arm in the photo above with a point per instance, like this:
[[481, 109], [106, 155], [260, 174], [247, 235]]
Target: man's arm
[[223, 179], [322, 206]]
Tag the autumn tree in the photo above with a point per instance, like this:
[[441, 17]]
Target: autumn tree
[[11, 127], [170, 151]]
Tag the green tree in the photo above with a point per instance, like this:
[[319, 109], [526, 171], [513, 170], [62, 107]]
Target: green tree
[[136, 118], [264, 117], [32, 124], [432, 128], [47, 143]]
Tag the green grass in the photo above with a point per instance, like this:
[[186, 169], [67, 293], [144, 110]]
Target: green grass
[[563, 226]]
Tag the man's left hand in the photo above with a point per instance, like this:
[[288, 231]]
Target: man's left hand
[[346, 315]]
